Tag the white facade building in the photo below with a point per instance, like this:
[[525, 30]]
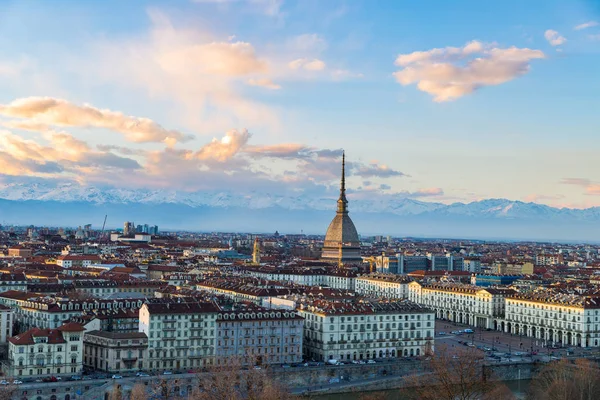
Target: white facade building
[[362, 329], [465, 304], [555, 318], [383, 285], [45, 352]]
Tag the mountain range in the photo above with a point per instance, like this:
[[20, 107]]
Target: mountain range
[[71, 204]]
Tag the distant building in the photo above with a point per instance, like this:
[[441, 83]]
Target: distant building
[[68, 261], [486, 280], [6, 323], [472, 264], [548, 259], [20, 251], [128, 228], [383, 285]]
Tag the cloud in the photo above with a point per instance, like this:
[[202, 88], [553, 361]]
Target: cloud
[[373, 170], [196, 71], [428, 192], [343, 74], [308, 42], [307, 64], [39, 112], [224, 149], [452, 72], [64, 154], [284, 150], [554, 38], [576, 181], [589, 24], [264, 82]]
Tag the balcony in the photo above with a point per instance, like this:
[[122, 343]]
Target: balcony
[[129, 359], [169, 328]]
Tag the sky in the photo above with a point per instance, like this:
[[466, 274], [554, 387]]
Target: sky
[[431, 100]]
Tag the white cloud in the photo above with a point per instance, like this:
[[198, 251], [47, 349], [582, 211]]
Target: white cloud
[[589, 24], [452, 72], [554, 38], [308, 64], [39, 112]]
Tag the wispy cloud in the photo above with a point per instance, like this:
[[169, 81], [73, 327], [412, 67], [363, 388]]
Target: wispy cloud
[[452, 72], [40, 112], [307, 64], [586, 25], [554, 38]]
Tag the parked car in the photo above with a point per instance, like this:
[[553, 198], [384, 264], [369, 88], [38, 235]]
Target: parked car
[[167, 373], [3, 382], [371, 362], [17, 382], [117, 377], [141, 374], [76, 378], [441, 333]]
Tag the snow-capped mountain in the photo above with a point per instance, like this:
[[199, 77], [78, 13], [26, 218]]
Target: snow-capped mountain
[[73, 204], [70, 192]]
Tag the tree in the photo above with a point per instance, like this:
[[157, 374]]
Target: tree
[[7, 392], [232, 380], [564, 380], [451, 376], [116, 393], [138, 392]]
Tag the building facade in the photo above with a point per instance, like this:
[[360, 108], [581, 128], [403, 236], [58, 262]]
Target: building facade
[[256, 335], [46, 352], [181, 333], [115, 352], [360, 330], [465, 304], [383, 285]]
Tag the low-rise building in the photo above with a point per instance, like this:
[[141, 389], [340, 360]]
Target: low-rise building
[[43, 352], [115, 352]]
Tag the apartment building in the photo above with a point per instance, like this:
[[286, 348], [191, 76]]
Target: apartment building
[[308, 276], [181, 333], [50, 313], [11, 281], [363, 329], [462, 303], [256, 335], [6, 323], [548, 259], [383, 285], [43, 352], [555, 318], [70, 260], [115, 352]]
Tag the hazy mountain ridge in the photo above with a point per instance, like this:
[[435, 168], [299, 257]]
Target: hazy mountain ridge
[[495, 208]]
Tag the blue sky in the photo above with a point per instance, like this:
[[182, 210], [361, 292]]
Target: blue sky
[[433, 100]]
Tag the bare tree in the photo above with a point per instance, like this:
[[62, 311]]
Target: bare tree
[[564, 380], [7, 392], [451, 376], [138, 392], [238, 379], [373, 396], [116, 393]]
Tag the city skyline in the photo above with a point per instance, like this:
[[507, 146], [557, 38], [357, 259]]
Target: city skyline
[[218, 95]]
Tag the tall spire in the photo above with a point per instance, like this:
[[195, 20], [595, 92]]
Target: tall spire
[[342, 201]]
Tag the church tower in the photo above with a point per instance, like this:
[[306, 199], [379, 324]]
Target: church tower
[[256, 252]]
